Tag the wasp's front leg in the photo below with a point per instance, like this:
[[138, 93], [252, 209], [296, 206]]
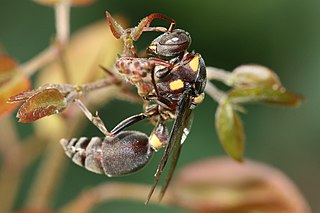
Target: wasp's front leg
[[96, 120]]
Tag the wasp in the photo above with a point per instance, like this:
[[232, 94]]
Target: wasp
[[171, 82]]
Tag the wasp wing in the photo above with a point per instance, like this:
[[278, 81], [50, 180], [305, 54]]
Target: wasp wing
[[183, 131], [178, 133]]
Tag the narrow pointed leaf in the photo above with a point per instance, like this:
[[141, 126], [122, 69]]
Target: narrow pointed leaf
[[44, 103], [279, 96], [115, 28], [12, 81], [136, 33], [230, 131], [23, 96]]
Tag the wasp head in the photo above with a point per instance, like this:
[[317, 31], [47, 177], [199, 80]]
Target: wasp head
[[169, 44]]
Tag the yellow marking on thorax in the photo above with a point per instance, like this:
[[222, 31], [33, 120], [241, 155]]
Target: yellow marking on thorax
[[194, 63], [155, 142], [176, 85]]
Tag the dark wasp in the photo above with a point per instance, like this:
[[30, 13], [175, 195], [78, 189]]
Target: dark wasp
[[171, 82]]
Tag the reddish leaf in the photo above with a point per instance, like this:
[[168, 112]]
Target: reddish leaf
[[73, 2], [12, 81], [44, 103], [230, 130], [115, 28]]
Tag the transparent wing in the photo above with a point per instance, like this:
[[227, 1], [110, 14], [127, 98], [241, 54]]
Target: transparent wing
[[184, 130], [178, 133]]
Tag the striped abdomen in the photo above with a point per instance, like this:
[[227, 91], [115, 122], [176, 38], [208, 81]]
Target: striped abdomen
[[122, 154]]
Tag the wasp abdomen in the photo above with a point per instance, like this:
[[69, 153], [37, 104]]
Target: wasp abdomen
[[118, 155], [85, 152]]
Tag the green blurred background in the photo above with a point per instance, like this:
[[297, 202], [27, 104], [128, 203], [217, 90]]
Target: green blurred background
[[281, 34]]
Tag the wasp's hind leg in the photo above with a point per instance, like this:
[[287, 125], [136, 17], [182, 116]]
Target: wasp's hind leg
[[159, 136]]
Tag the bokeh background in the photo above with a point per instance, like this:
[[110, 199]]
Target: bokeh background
[[281, 34]]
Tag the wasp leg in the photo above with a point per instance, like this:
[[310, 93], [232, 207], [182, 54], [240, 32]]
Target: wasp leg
[[153, 16], [128, 122], [161, 62], [159, 73], [134, 119], [167, 66], [159, 136], [153, 81], [96, 120], [144, 24]]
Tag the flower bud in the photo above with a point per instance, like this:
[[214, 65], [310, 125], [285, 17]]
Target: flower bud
[[249, 76]]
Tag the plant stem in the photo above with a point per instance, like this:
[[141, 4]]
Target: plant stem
[[62, 20], [12, 164], [108, 192], [50, 169], [219, 74], [89, 87], [48, 175], [39, 61], [62, 16], [214, 92]]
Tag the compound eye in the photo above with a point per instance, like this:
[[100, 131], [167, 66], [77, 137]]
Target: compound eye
[[177, 37], [170, 44]]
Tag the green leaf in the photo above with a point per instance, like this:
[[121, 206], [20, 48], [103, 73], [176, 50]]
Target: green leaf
[[230, 130], [44, 103], [279, 96]]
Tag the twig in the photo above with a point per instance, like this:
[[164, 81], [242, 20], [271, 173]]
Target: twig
[[48, 175], [50, 169], [219, 74], [89, 87], [32, 147], [62, 20], [62, 15], [12, 164], [39, 61], [214, 92], [108, 192]]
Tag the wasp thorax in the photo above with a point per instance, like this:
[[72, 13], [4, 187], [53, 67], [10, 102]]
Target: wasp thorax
[[170, 44], [121, 154]]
